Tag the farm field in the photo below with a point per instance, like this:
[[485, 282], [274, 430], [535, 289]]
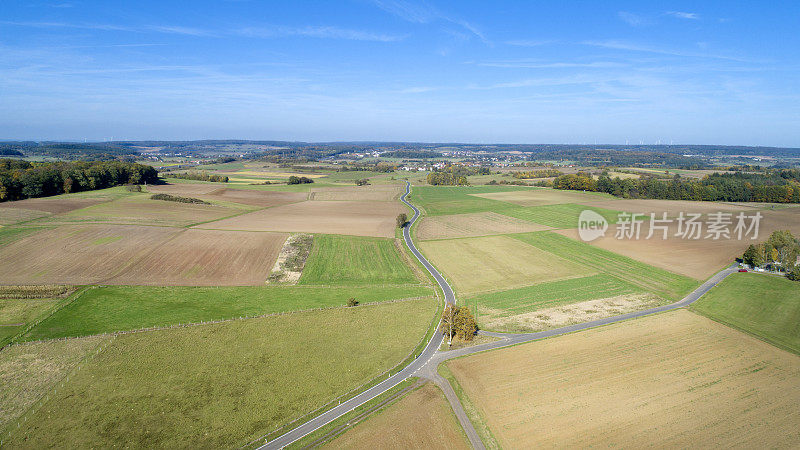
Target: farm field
[[332, 217], [472, 225], [671, 380], [77, 254], [497, 263], [9, 216], [119, 308], [382, 193], [671, 207], [353, 260], [53, 205], [223, 385], [668, 285], [762, 305], [139, 209], [559, 216], [130, 254], [421, 419], [546, 196], [16, 314], [438, 200], [28, 372], [556, 303], [197, 257]]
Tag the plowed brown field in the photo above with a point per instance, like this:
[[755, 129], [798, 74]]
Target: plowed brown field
[[382, 193], [333, 217], [673, 380]]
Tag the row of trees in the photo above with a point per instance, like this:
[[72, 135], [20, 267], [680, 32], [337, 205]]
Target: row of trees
[[773, 187], [542, 173], [200, 176], [294, 179], [446, 179], [22, 179], [779, 252]]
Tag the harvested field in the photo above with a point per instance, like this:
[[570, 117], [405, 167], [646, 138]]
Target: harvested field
[[666, 284], [572, 313], [78, 254], [696, 258], [671, 207], [473, 225], [421, 420], [497, 263], [10, 216], [552, 294], [673, 380], [140, 209], [437, 200], [198, 257], [544, 196], [333, 217], [28, 372], [563, 215], [780, 219], [213, 192], [381, 193], [52, 205], [222, 385]]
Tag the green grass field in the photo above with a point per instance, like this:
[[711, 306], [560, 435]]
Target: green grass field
[[119, 308], [16, 314], [558, 216], [668, 285], [762, 305], [222, 385], [554, 293], [438, 200], [353, 260]]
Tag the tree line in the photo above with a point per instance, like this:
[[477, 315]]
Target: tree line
[[778, 252], [22, 179], [199, 176], [779, 186], [455, 175], [542, 173]]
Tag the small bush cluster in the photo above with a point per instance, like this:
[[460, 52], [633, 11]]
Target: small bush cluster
[[299, 180], [175, 198]]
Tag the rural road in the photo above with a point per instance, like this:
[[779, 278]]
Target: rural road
[[426, 364]]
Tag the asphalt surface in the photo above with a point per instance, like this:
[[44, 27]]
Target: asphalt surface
[[426, 364]]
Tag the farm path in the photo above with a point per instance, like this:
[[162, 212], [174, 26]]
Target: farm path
[[427, 363]]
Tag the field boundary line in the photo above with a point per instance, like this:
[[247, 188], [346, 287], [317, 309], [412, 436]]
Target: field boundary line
[[74, 296]]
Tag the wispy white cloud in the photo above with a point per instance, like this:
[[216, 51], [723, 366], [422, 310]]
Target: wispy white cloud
[[528, 43], [165, 29], [683, 15], [535, 64], [425, 13], [323, 32], [632, 19], [622, 45]]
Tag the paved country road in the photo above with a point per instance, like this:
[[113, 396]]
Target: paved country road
[[426, 364]]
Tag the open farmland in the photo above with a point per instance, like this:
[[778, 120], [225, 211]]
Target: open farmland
[[382, 193], [497, 263], [533, 308], [54, 205], [28, 372], [10, 215], [108, 309], [671, 207], [345, 260], [16, 314], [206, 258], [333, 217], [472, 225], [559, 216], [763, 305], [222, 385], [438, 200], [140, 209], [668, 285], [546, 196], [77, 254], [670, 380], [420, 420]]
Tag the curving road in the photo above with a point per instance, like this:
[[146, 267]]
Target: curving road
[[426, 364]]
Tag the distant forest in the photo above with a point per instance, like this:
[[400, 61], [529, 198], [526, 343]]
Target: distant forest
[[21, 179], [776, 186]]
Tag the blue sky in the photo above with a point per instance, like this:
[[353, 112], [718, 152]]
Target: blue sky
[[466, 71]]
